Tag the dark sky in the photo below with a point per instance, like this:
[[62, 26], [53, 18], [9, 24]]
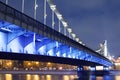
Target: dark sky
[[92, 20]]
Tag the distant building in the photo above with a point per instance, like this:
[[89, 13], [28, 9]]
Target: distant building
[[117, 64]]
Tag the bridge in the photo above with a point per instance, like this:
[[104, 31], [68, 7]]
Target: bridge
[[25, 38]]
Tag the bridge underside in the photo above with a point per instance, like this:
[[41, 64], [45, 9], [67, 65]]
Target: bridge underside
[[33, 46], [61, 60], [24, 38]]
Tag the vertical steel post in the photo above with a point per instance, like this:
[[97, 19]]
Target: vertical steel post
[[23, 3], [45, 15]]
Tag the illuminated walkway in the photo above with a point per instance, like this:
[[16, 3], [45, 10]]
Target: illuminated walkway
[[22, 37]]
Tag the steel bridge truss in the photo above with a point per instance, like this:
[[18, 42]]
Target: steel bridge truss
[[15, 39], [20, 33]]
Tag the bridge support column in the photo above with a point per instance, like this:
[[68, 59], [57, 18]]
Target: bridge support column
[[92, 71], [92, 68], [82, 74], [106, 68]]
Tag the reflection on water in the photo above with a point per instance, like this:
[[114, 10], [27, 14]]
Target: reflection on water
[[54, 77], [99, 78], [104, 77], [36, 77], [8, 76], [48, 77], [117, 77], [69, 77], [65, 77]]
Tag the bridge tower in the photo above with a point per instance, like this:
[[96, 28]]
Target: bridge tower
[[105, 50]]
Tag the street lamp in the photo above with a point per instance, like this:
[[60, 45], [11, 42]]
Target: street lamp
[[65, 24], [69, 30], [59, 16], [80, 42], [77, 39], [53, 7], [73, 35]]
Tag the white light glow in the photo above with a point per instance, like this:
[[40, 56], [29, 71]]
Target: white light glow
[[59, 16], [53, 7], [69, 30], [64, 55], [69, 56], [77, 39], [73, 35], [5, 29], [65, 24]]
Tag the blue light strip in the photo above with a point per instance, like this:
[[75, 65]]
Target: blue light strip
[[43, 45]]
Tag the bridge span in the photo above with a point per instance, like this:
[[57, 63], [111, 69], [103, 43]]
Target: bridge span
[[24, 38]]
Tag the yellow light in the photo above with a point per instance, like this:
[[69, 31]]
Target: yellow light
[[28, 77], [35, 77], [36, 62], [48, 77], [72, 77], [65, 77], [9, 63], [49, 63], [8, 77], [29, 63]]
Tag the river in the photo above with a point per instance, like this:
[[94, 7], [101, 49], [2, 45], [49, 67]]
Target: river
[[114, 75]]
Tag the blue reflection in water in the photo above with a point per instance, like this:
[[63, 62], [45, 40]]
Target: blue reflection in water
[[92, 77], [97, 76]]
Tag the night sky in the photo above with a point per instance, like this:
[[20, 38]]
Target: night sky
[[92, 20]]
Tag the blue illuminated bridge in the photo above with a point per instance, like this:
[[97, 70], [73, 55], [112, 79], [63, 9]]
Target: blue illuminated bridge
[[23, 38]]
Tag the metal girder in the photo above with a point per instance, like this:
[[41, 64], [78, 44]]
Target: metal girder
[[13, 16]]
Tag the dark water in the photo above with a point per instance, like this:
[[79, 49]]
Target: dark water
[[112, 76], [36, 77], [99, 75]]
